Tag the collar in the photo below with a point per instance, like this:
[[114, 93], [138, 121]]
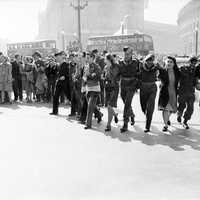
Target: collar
[[148, 69]]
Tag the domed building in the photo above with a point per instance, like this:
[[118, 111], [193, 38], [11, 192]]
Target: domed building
[[189, 25], [99, 17]]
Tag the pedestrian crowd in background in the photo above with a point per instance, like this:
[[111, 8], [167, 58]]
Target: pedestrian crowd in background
[[88, 81]]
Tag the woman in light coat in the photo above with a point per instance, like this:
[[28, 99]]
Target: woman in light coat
[[5, 78]]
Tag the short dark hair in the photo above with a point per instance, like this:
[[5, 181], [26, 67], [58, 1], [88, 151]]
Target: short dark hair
[[193, 59], [95, 51], [84, 54], [105, 52], [92, 55], [17, 56], [110, 58], [126, 48], [38, 54]]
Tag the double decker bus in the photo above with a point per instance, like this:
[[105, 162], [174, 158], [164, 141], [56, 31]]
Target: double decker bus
[[142, 44], [45, 47]]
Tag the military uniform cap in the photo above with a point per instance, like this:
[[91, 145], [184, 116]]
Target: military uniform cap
[[127, 48], [149, 57], [60, 53], [95, 51], [37, 53], [193, 59]]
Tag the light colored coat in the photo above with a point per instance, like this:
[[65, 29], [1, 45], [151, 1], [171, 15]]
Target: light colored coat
[[5, 77]]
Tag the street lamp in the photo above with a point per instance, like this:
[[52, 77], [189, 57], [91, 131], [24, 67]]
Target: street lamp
[[78, 8], [63, 39], [196, 38]]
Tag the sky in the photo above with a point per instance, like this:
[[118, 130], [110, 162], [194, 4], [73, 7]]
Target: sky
[[164, 11], [19, 18]]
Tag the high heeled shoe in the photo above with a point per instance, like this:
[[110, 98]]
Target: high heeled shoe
[[108, 129], [116, 118], [165, 129]]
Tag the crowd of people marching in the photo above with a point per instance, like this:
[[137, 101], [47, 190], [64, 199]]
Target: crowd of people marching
[[88, 81]]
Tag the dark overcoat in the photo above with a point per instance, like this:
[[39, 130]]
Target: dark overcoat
[[164, 93]]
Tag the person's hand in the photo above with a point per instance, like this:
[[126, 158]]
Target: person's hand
[[93, 74], [84, 79], [62, 78]]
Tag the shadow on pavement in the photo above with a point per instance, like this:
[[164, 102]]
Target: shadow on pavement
[[177, 140], [10, 106], [36, 105]]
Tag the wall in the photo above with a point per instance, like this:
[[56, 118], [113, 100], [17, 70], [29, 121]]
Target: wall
[[166, 37]]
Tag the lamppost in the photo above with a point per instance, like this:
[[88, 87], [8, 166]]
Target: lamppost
[[196, 38], [78, 8], [63, 39]]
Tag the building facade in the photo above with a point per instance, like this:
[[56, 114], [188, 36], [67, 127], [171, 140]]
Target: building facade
[[189, 26], [166, 37], [100, 17]]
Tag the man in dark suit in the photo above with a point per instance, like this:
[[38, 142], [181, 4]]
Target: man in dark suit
[[100, 61], [129, 68], [186, 91], [17, 77], [62, 84]]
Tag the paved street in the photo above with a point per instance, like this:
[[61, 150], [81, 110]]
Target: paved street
[[51, 158]]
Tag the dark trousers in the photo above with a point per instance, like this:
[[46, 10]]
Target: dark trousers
[[147, 100], [75, 100], [92, 100], [61, 87], [51, 89], [17, 89], [186, 101], [107, 96], [102, 93], [84, 106], [127, 97]]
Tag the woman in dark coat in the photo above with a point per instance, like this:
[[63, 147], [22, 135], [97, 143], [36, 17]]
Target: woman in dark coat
[[169, 77]]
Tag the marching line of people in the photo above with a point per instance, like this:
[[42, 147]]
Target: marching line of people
[[89, 81], [127, 76]]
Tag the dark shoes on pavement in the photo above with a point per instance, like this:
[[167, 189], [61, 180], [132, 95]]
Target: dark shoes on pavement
[[99, 118], [53, 113], [185, 125], [72, 115], [165, 129], [147, 130], [132, 120], [124, 128], [87, 127], [116, 119], [179, 120], [108, 129]]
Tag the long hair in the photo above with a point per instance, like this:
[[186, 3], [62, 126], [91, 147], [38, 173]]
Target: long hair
[[176, 69], [175, 63], [110, 58]]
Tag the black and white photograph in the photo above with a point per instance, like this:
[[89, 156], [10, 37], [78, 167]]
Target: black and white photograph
[[100, 100]]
